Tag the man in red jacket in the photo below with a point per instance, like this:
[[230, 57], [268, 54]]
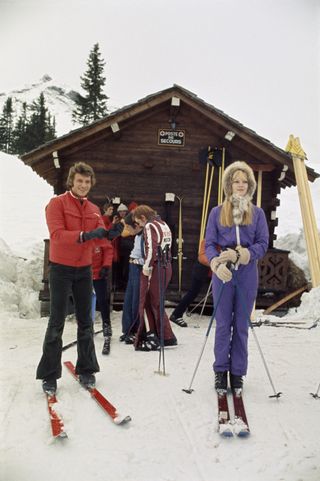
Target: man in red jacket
[[75, 226]]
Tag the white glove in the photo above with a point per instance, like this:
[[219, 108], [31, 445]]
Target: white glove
[[244, 255], [223, 273], [228, 255], [147, 271], [214, 264]]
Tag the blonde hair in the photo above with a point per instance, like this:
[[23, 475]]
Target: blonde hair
[[226, 215], [230, 174]]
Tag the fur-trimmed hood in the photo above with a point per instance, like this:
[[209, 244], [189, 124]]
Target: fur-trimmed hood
[[228, 174]]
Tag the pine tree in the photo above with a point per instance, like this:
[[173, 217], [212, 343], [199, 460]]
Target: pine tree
[[93, 105], [36, 129], [19, 132], [6, 126]]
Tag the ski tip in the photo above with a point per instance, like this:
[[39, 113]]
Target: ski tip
[[243, 433], [121, 420], [226, 433]]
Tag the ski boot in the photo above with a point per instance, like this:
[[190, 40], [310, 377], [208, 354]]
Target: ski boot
[[236, 382], [106, 346], [88, 381], [49, 386], [221, 381]]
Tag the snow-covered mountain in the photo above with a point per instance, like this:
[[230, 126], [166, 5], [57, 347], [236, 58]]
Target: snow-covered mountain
[[60, 100]]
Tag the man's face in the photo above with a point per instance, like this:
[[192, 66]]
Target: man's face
[[109, 211], [81, 185], [141, 222]]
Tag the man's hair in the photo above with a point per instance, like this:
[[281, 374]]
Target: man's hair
[[145, 210], [83, 169]]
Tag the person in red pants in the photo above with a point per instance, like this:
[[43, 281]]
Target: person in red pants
[[155, 276]]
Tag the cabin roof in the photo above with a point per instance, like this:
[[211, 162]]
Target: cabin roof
[[243, 134]]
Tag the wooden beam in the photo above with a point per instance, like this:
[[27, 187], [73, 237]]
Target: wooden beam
[[285, 299], [306, 206], [259, 188]]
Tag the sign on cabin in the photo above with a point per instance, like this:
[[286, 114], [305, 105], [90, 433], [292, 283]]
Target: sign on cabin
[[171, 137]]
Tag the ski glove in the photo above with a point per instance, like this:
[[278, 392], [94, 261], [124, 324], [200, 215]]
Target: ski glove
[[103, 272], [223, 273], [98, 233], [115, 231], [214, 264], [147, 271], [244, 255], [229, 255]]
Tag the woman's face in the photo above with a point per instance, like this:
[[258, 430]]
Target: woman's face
[[239, 183]]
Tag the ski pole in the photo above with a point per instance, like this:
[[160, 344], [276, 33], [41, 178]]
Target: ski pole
[[161, 280], [180, 243], [204, 302], [275, 393], [73, 343], [204, 299], [189, 390], [316, 395]]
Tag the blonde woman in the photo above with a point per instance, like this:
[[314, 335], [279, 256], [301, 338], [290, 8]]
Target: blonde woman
[[237, 233]]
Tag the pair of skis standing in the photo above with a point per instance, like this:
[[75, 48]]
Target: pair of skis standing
[[56, 421]]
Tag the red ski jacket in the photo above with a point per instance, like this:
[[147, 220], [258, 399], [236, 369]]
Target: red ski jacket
[[101, 257], [66, 218]]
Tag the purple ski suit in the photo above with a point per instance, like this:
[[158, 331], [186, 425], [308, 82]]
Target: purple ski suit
[[232, 324]]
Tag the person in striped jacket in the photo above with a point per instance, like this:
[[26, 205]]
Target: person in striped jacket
[[155, 277]]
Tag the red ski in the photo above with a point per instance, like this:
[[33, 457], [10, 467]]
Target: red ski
[[224, 425], [100, 399], [57, 426], [241, 426]]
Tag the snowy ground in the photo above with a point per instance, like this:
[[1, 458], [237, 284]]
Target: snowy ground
[[172, 436]]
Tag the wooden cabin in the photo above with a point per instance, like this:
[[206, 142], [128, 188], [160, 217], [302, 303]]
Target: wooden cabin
[[160, 145]]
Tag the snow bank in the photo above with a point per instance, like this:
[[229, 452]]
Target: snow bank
[[23, 197], [21, 281], [309, 309], [296, 244], [289, 213]]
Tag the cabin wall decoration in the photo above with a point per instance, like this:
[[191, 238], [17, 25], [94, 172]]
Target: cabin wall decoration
[[169, 150]]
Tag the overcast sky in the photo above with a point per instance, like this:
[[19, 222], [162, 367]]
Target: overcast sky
[[257, 60]]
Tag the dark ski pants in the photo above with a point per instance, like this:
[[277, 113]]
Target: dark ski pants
[[102, 293], [63, 281], [130, 315], [199, 277], [232, 323]]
